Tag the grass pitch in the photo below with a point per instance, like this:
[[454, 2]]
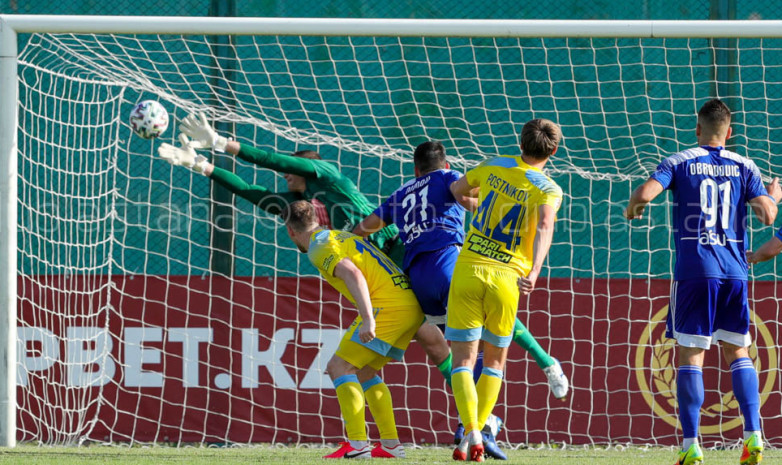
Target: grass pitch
[[30, 454]]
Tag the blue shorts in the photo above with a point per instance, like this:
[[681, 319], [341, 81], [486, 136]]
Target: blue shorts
[[704, 311], [430, 277]]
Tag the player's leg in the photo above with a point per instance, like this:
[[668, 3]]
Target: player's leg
[[464, 328], [431, 339], [430, 278], [746, 390], [493, 424], [732, 330], [381, 406], [351, 356], [691, 314], [350, 396], [526, 341], [490, 382], [395, 327], [557, 380], [465, 394], [690, 395], [501, 302]]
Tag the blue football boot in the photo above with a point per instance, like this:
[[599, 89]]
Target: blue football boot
[[490, 430], [458, 435]]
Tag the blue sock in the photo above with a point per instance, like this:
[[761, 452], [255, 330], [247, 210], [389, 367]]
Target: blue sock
[[689, 393], [745, 388], [476, 372]]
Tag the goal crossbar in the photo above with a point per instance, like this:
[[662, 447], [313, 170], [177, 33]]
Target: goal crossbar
[[389, 27]]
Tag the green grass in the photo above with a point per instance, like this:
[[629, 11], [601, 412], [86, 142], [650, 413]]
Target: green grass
[[28, 454]]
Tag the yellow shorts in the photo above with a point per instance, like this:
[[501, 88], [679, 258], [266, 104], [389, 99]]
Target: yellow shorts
[[482, 304], [394, 328]]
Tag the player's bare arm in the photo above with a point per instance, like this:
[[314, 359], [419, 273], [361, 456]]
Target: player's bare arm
[[765, 252], [347, 271], [465, 193], [462, 188], [543, 236], [369, 225], [470, 201], [641, 197], [765, 207]]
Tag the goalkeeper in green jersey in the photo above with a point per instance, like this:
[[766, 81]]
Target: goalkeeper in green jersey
[[308, 177]]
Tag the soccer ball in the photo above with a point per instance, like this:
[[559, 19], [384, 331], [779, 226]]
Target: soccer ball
[[149, 119]]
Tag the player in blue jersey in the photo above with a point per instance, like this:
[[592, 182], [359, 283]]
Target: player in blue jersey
[[431, 225], [711, 188]]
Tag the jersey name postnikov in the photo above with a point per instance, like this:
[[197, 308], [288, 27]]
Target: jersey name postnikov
[[504, 187]]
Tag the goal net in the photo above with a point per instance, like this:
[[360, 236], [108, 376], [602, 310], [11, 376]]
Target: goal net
[[154, 308]]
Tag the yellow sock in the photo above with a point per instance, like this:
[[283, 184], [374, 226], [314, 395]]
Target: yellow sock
[[466, 397], [351, 403], [381, 406], [488, 389]]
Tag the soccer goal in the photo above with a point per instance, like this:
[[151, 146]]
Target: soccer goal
[[140, 303]]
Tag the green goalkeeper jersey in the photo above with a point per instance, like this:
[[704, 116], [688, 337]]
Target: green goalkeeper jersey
[[346, 206]]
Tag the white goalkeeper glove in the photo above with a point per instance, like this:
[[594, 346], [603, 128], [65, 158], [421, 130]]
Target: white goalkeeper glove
[[202, 133], [183, 156]]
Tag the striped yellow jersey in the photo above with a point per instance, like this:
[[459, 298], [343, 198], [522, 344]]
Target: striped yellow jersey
[[388, 285], [503, 228]]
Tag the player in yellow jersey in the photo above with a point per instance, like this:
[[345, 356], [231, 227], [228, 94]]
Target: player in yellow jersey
[[509, 237], [389, 316]]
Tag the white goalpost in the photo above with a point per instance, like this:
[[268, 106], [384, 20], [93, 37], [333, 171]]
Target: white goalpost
[[139, 303]]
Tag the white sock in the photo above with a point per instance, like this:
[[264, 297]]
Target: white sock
[[358, 444], [688, 442], [747, 434], [389, 443]]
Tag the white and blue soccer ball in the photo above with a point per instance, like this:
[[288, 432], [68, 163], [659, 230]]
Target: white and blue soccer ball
[[149, 119]]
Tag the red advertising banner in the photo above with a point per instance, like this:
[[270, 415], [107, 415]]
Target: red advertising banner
[[191, 359]]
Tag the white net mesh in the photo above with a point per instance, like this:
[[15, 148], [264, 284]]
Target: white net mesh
[[130, 332]]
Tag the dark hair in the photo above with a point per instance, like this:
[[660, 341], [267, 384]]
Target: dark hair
[[300, 215], [714, 114], [311, 154], [429, 156], [539, 138]]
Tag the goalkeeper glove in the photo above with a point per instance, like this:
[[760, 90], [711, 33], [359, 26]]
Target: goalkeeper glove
[[203, 134], [183, 156]]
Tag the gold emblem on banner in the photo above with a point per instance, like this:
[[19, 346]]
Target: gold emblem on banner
[[658, 369]]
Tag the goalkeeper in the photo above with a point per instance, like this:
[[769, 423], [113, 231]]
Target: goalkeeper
[[308, 178]]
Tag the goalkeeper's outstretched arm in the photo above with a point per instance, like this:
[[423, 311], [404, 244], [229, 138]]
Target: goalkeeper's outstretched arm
[[204, 136], [272, 202]]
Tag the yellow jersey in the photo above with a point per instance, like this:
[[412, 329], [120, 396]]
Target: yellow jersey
[[503, 227], [388, 285]]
